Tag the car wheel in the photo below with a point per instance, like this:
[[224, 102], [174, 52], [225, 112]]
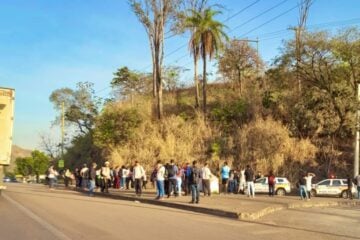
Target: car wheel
[[281, 192], [313, 193], [344, 194]]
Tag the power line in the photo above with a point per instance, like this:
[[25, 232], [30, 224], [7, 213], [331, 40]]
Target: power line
[[332, 24], [270, 20], [242, 10], [248, 21], [259, 15], [227, 19]]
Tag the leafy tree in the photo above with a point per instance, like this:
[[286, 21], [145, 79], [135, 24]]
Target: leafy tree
[[24, 166], [40, 163], [83, 150], [325, 108], [81, 105], [36, 165], [116, 127], [346, 46], [172, 77], [128, 83], [238, 61], [208, 36]]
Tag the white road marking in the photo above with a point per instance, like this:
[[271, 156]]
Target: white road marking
[[60, 235]]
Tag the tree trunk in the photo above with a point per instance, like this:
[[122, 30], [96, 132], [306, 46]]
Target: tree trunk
[[204, 84], [196, 80], [158, 82], [154, 80], [239, 80]]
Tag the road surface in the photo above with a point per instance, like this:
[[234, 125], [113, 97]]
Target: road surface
[[35, 212]]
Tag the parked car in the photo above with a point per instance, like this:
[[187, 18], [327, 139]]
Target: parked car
[[9, 179], [282, 185], [331, 187]]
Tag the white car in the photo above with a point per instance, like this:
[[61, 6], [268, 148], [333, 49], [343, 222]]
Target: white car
[[331, 187], [282, 185]]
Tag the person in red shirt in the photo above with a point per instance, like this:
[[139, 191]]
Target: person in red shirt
[[271, 182]]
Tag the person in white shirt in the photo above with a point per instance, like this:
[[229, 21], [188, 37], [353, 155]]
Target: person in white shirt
[[206, 176], [308, 180], [138, 176], [242, 183], [84, 173], [105, 174], [160, 177]]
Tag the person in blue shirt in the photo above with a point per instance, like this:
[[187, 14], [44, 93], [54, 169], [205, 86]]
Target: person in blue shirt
[[225, 173]]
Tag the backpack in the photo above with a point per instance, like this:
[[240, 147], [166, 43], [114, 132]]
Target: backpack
[[166, 173], [171, 171], [153, 175], [194, 176]]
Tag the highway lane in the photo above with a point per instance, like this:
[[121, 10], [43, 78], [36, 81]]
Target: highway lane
[[35, 212]]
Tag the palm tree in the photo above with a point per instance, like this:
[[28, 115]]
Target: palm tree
[[206, 39]]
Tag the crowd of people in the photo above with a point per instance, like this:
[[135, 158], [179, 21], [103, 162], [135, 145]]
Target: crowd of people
[[172, 179]]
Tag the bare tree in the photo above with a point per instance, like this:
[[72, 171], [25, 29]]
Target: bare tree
[[49, 146], [156, 16], [238, 61]]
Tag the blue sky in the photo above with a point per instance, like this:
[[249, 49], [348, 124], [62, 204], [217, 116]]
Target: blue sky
[[46, 45]]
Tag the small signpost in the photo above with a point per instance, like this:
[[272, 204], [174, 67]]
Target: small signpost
[[61, 163]]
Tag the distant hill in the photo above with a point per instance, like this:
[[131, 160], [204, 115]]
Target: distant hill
[[17, 152]]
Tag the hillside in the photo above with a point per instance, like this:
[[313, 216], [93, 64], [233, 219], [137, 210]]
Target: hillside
[[17, 152]]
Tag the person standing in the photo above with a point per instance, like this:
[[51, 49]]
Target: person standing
[[308, 180], [138, 176], [106, 177], [271, 182], [172, 171], [116, 177], [249, 177], [67, 177], [85, 176], [350, 186], [124, 173], [179, 179], [78, 177], [206, 176], [51, 177], [225, 174], [357, 181], [302, 188], [242, 181], [194, 181], [92, 179], [187, 171], [160, 177]]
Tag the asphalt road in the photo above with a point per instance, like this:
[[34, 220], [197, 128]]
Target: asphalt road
[[34, 212]]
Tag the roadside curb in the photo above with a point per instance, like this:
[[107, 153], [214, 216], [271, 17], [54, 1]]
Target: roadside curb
[[246, 216]]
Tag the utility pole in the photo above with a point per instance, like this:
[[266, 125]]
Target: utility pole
[[357, 135], [297, 53]]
